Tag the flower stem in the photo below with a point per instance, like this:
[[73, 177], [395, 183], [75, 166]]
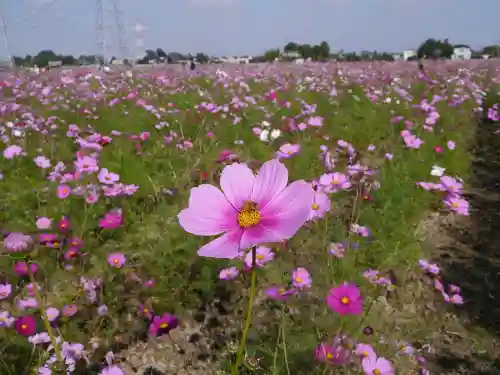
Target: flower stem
[[248, 318], [46, 321]]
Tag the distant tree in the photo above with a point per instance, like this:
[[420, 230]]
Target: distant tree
[[43, 57], [68, 60], [272, 54], [435, 49], [202, 58], [291, 47], [325, 50], [161, 53], [18, 61], [493, 50], [305, 51]]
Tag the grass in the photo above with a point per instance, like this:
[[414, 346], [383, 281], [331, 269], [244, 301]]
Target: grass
[[283, 335]]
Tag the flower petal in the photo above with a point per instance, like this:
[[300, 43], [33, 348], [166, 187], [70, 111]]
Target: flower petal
[[288, 211], [271, 180], [226, 246], [257, 235], [237, 182], [209, 212]]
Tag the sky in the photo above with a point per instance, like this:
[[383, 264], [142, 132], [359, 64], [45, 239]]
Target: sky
[[246, 27]]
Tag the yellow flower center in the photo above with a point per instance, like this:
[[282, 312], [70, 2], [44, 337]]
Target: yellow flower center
[[115, 261], [377, 372], [24, 326], [315, 206], [344, 300], [282, 291], [164, 325], [298, 279], [454, 204], [329, 355], [365, 354], [248, 216], [335, 181], [260, 256]]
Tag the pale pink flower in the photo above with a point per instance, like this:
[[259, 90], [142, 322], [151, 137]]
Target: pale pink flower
[[249, 210]]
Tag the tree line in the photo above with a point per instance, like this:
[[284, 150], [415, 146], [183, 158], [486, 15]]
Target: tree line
[[429, 49]]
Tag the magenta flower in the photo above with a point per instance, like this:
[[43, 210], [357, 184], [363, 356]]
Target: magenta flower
[[21, 268], [63, 224], [26, 325], [279, 293], [301, 278], [345, 299], [63, 191], [70, 310], [111, 220], [250, 210], [162, 325], [457, 204], [377, 366], [116, 260], [331, 354]]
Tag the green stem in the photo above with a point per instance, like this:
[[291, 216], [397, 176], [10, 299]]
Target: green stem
[[46, 321], [248, 319]]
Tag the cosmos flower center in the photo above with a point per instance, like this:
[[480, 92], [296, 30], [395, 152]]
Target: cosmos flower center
[[260, 256], [344, 300], [315, 206], [248, 216], [115, 261], [298, 279], [24, 326], [454, 204], [335, 181], [377, 372], [329, 355], [164, 325]]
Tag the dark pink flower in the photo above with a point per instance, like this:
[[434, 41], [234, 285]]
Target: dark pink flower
[[345, 299], [162, 325], [26, 325]]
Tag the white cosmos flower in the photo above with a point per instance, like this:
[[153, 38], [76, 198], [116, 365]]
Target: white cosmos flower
[[437, 171], [264, 135], [275, 134]]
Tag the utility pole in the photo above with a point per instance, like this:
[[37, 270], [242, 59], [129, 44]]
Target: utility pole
[[6, 39], [101, 47], [120, 29]]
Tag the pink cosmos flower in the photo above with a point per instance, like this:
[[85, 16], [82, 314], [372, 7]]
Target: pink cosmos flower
[[288, 150], [334, 182], [345, 299], [17, 242], [321, 205], [229, 273], [26, 325], [331, 354], [279, 293], [457, 204], [301, 278], [106, 177], [43, 222], [263, 255], [111, 220], [63, 191], [249, 210], [365, 351], [377, 366], [116, 260]]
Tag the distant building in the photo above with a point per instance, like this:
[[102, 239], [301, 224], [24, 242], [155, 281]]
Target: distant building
[[408, 54], [55, 64], [290, 55], [461, 53]]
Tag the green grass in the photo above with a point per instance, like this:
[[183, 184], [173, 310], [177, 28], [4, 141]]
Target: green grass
[[283, 336]]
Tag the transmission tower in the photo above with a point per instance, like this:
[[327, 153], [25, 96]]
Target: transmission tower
[[101, 47], [120, 29], [5, 39]]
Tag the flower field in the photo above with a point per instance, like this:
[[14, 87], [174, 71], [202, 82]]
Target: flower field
[[254, 219]]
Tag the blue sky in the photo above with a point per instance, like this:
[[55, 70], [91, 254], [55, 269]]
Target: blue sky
[[231, 27]]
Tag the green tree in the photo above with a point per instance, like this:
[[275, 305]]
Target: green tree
[[202, 58], [43, 57], [272, 54], [325, 50], [435, 49], [493, 50], [292, 46]]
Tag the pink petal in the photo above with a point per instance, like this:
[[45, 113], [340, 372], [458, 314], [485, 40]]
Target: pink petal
[[237, 182], [209, 213], [226, 246], [271, 180], [288, 211], [254, 236]]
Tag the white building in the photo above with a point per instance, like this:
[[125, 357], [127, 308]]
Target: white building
[[461, 53], [408, 54]]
